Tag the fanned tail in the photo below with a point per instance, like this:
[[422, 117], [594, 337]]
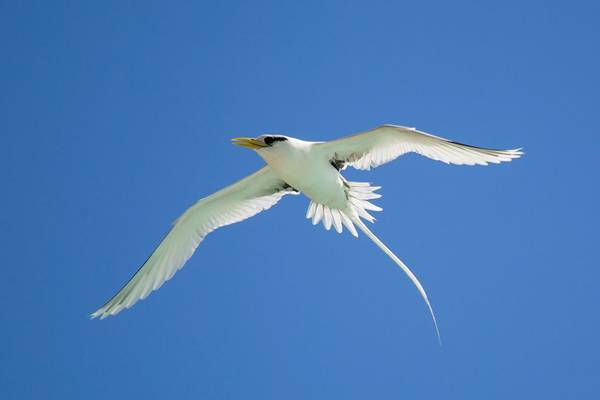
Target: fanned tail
[[359, 194], [403, 266]]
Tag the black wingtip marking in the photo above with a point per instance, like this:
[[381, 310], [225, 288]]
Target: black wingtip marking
[[485, 149]]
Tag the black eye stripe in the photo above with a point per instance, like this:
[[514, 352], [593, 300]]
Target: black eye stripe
[[269, 140]]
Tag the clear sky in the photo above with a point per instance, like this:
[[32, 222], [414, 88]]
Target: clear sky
[[116, 116]]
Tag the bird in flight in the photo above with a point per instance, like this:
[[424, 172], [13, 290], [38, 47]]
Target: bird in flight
[[296, 166]]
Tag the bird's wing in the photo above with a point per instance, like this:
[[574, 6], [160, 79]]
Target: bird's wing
[[235, 203], [378, 146]]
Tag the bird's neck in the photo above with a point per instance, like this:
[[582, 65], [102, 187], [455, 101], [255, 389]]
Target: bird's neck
[[288, 154]]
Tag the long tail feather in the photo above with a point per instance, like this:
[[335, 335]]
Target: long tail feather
[[403, 266]]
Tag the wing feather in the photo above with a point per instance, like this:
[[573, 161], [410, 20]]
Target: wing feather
[[386, 143], [235, 203]]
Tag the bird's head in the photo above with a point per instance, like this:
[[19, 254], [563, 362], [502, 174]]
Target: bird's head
[[262, 142]]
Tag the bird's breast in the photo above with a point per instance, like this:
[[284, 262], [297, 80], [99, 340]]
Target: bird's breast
[[316, 178]]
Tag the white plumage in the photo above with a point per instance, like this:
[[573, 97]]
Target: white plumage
[[235, 203], [294, 166]]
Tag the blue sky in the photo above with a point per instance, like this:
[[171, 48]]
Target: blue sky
[[117, 116]]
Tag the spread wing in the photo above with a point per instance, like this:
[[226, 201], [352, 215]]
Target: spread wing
[[386, 143], [235, 203]]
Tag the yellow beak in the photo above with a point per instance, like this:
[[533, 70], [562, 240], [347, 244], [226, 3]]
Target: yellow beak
[[248, 143]]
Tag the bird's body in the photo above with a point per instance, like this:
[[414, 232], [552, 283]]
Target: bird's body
[[296, 166], [302, 167]]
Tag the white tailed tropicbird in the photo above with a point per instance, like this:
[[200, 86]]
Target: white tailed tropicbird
[[296, 166]]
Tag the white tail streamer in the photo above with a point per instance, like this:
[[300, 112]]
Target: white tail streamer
[[404, 268], [358, 206]]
